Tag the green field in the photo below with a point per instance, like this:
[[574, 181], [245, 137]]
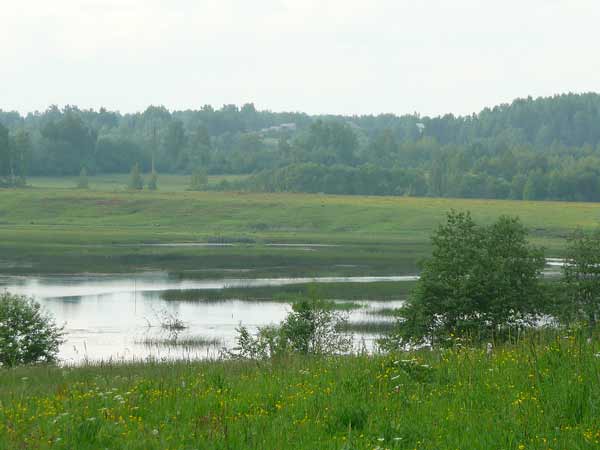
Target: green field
[[119, 182], [542, 393], [53, 227]]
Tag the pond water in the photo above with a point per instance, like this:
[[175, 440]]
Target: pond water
[[115, 317], [112, 317]]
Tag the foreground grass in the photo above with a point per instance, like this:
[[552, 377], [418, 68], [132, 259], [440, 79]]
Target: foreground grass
[[538, 394]]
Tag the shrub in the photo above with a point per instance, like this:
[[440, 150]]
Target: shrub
[[582, 277], [198, 180], [82, 181], [135, 178], [311, 328], [27, 334], [153, 181]]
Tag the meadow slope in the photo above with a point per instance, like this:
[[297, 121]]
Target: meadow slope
[[70, 230]]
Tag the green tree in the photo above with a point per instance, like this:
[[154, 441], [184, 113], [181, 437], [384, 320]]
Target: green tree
[[83, 182], [21, 155], [479, 282], [152, 184], [582, 276], [199, 148], [5, 159], [69, 143], [27, 334], [198, 180], [535, 187], [135, 179]]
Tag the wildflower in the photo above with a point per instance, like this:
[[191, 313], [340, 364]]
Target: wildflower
[[155, 432]]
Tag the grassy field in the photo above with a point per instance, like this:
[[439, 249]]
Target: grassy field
[[119, 182], [53, 227], [542, 393]]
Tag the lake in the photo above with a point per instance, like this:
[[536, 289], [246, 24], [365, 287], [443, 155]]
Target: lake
[[117, 317]]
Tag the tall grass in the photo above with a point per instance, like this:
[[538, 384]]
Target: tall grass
[[540, 393]]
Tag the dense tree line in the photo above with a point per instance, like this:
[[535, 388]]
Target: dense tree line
[[545, 148]]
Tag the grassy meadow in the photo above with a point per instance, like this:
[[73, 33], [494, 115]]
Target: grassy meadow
[[542, 392], [120, 181], [52, 227]]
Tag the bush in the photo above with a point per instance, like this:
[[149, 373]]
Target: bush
[[480, 282], [582, 277], [83, 182], [198, 180], [136, 181], [152, 181], [27, 335], [311, 328]]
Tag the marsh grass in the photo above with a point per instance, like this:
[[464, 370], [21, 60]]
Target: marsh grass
[[383, 312], [542, 392], [350, 291], [180, 341], [369, 326]]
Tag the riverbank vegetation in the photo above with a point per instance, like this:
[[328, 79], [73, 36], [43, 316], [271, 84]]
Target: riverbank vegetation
[[381, 290], [538, 391]]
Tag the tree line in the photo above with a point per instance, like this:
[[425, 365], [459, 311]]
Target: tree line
[[534, 149]]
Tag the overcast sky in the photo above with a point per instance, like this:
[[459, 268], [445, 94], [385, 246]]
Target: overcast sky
[[316, 56]]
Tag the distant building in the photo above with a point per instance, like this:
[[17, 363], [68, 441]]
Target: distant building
[[278, 128]]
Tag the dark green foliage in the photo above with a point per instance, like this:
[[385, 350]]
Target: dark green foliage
[[27, 335], [339, 179], [198, 180], [15, 154], [5, 159], [582, 276], [152, 181], [480, 282], [136, 181], [83, 182], [312, 328], [533, 149], [68, 143]]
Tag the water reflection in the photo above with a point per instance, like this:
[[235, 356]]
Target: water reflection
[[110, 317]]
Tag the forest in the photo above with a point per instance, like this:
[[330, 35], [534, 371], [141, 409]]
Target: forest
[[532, 149]]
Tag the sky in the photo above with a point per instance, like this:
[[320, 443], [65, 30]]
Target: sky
[[316, 56]]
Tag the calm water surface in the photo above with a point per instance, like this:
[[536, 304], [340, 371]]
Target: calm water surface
[[107, 317]]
